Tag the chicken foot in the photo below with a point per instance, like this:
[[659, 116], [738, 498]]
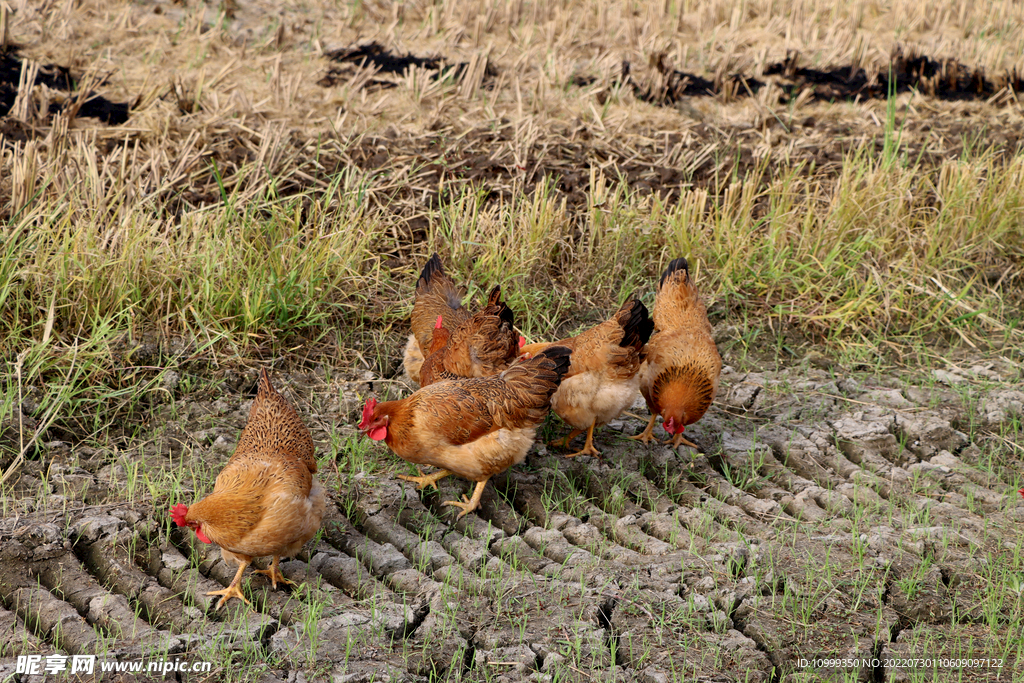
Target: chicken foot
[[425, 480], [564, 441], [680, 439], [646, 436], [588, 447], [233, 591], [470, 504], [274, 572]]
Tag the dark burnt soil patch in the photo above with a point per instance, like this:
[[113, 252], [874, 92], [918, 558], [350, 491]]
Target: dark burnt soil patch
[[60, 79], [375, 56], [945, 79]]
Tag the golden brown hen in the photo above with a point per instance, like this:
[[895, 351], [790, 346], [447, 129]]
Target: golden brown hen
[[265, 501], [679, 377], [477, 345], [602, 380], [483, 345], [473, 427]]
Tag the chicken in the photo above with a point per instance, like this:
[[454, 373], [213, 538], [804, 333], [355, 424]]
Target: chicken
[[474, 427], [679, 377], [265, 501], [482, 345], [436, 295], [478, 345], [433, 369], [602, 380]]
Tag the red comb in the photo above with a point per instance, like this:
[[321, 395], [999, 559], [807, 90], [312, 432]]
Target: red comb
[[522, 341], [1021, 492], [178, 513], [437, 325], [673, 427], [368, 413]]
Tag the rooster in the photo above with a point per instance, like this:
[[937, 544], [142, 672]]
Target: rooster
[[602, 380], [679, 378], [265, 501], [473, 427], [481, 344]]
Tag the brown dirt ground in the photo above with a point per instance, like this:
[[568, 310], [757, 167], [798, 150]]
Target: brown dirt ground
[[829, 515]]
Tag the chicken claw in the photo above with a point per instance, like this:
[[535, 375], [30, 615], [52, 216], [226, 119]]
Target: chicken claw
[[564, 441], [646, 436], [680, 439], [468, 505], [588, 447], [425, 480], [274, 572], [232, 591]]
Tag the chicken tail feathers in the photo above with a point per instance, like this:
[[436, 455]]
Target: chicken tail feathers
[[274, 425], [679, 264], [263, 386], [556, 359], [529, 385], [636, 323], [435, 279], [503, 312]]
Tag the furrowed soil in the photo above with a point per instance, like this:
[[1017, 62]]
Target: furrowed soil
[[828, 515], [865, 518]]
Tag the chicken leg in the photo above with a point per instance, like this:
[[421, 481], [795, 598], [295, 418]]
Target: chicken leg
[[588, 447], [564, 441], [274, 572], [425, 480], [680, 439], [646, 436], [470, 504], [233, 591]]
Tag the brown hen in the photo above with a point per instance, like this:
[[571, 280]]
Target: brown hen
[[602, 380], [483, 345], [679, 377], [265, 501], [476, 345], [473, 427]]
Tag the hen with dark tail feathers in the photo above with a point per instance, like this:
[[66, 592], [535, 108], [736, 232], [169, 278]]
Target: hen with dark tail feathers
[[679, 378], [483, 345], [473, 345], [603, 378]]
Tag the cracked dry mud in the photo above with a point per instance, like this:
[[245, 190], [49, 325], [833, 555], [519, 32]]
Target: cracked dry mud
[[829, 516]]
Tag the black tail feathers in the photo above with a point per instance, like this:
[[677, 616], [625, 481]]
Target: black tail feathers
[[435, 270], [560, 356], [638, 328], [430, 269], [676, 265], [504, 312]]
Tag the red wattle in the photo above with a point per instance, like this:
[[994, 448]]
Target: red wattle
[[202, 537], [379, 433]]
